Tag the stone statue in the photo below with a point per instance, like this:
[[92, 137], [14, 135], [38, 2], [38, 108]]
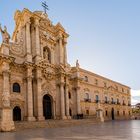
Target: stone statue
[[46, 55], [5, 35], [77, 64]]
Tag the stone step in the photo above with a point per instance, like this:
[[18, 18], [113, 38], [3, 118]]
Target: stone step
[[53, 123]]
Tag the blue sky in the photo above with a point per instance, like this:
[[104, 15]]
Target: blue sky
[[106, 32]]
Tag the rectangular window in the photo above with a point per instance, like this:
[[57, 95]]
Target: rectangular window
[[96, 82], [97, 98], [106, 100]]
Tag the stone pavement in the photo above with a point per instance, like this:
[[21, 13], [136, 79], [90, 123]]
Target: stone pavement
[[112, 130]]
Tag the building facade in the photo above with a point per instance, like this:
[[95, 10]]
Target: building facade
[[37, 83]]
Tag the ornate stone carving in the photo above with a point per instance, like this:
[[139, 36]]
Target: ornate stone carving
[[6, 99], [5, 35]]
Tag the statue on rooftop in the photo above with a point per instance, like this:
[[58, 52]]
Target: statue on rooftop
[[5, 35]]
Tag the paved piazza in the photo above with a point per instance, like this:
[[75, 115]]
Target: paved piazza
[[116, 130]]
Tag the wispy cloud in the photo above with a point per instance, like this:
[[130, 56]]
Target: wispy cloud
[[135, 96]]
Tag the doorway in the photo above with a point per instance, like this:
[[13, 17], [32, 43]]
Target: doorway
[[112, 114], [47, 107], [17, 114]]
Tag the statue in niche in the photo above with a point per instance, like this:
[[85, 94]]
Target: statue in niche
[[5, 35], [46, 54]]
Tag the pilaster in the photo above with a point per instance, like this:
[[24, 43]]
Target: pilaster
[[38, 52], [7, 123], [39, 96], [28, 42], [62, 101], [30, 116]]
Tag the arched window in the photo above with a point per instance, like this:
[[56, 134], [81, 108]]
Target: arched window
[[47, 54], [16, 87]]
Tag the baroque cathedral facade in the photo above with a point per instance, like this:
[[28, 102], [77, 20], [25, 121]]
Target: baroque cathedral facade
[[37, 83]]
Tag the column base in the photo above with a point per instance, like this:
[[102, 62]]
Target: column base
[[69, 117], [7, 123], [29, 57], [41, 118], [63, 118], [31, 119]]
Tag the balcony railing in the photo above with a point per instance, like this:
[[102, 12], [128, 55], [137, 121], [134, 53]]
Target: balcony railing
[[97, 101], [113, 102], [87, 100], [123, 104]]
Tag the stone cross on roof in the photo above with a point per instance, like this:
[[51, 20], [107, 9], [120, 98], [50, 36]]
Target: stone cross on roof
[[45, 6]]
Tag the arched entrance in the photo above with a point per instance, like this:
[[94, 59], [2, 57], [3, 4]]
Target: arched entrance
[[47, 107], [112, 114], [17, 114]]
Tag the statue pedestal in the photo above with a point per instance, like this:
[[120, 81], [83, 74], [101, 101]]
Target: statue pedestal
[[100, 115], [5, 48], [7, 123]]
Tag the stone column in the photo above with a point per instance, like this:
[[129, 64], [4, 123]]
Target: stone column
[[7, 123], [38, 53], [40, 116], [67, 101], [78, 100], [30, 116], [28, 42], [65, 51], [62, 101], [61, 50]]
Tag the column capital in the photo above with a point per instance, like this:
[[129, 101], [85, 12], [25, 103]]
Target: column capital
[[76, 88], [36, 22], [28, 22], [29, 78]]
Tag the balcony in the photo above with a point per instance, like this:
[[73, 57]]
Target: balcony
[[87, 100], [113, 102]]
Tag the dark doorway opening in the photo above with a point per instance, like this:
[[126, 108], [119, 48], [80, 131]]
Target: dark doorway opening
[[70, 112], [112, 114], [47, 107], [17, 114]]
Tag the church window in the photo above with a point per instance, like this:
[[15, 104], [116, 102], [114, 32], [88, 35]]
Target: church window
[[16, 87]]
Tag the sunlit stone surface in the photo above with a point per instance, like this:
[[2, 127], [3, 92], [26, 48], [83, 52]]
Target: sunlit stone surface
[[116, 130]]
